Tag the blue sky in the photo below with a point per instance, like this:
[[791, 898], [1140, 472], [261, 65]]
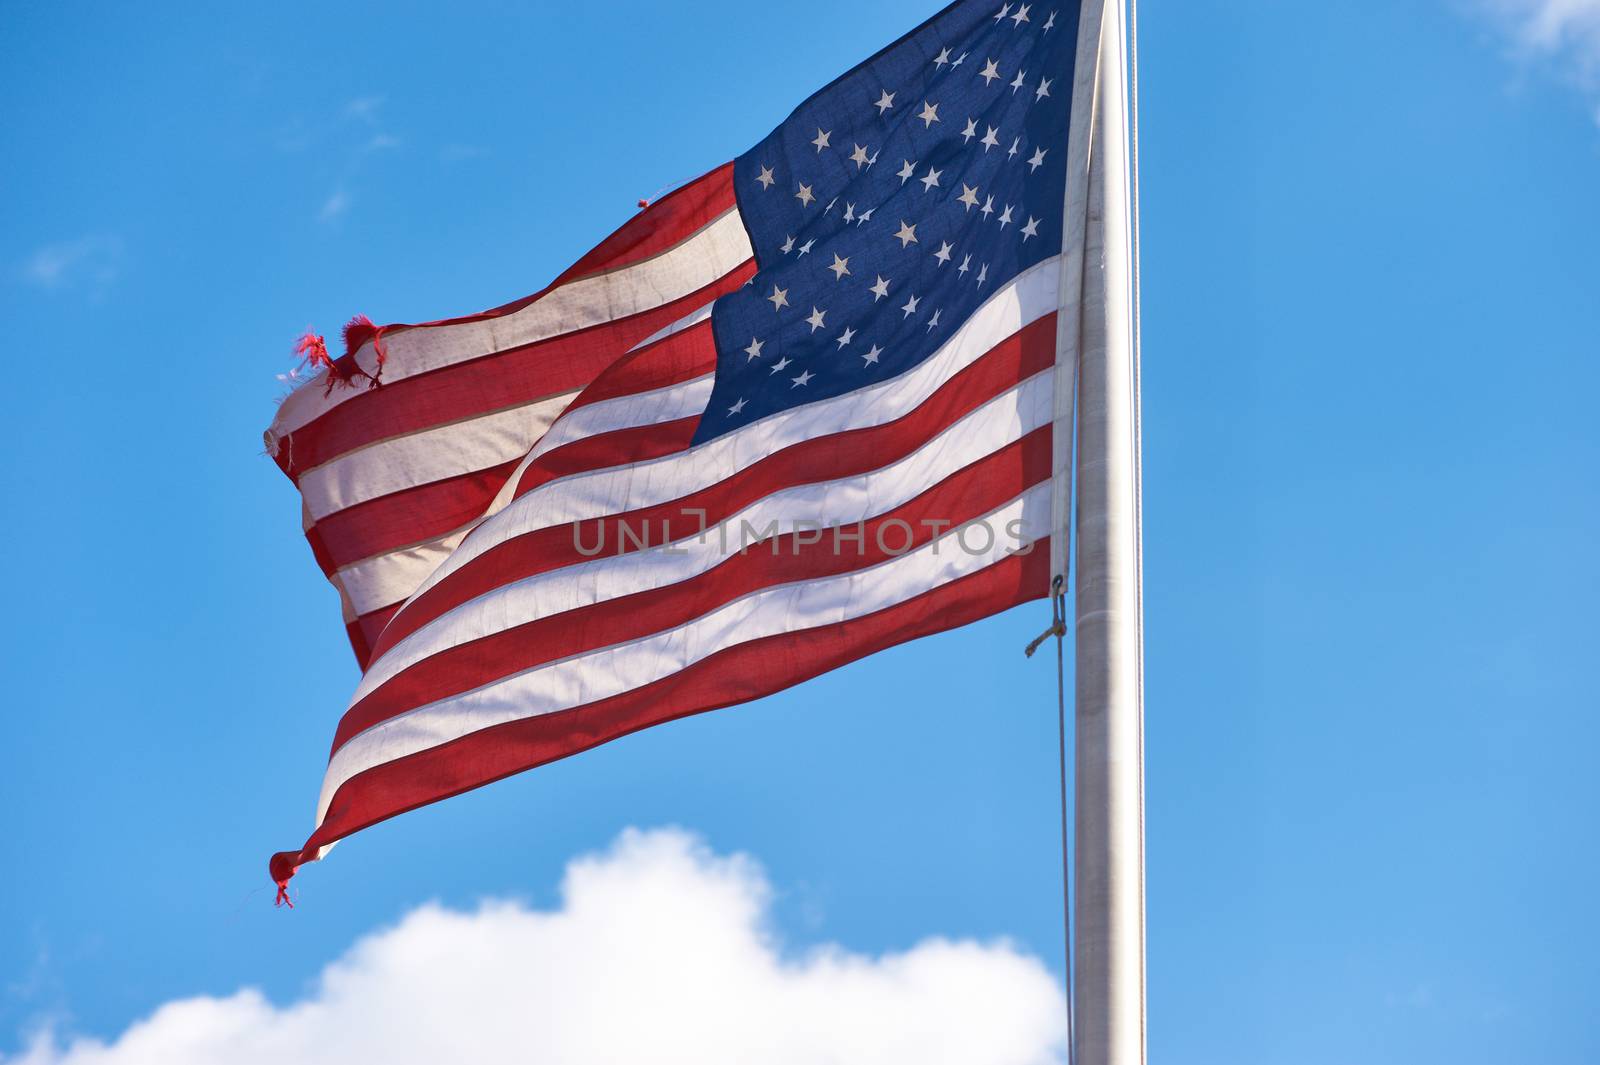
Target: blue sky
[[1371, 311]]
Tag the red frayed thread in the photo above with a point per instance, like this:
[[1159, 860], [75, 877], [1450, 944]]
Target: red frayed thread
[[283, 895], [359, 330], [313, 352]]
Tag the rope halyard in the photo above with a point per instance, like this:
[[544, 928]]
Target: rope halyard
[[1058, 629], [1058, 620]]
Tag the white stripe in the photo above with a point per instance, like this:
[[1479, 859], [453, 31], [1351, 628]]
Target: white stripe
[[679, 326], [710, 253], [382, 580], [666, 404], [599, 493], [997, 423], [599, 674], [427, 456]]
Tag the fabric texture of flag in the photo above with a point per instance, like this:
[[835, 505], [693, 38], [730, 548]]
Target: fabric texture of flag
[[796, 412]]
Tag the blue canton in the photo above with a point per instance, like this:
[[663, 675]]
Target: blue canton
[[891, 204]]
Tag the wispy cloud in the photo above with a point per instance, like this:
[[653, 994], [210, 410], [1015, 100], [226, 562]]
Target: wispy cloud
[[90, 262], [660, 951], [458, 153], [355, 148], [334, 206], [1561, 34], [364, 108]]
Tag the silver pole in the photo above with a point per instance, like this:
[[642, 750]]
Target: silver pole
[[1109, 853]]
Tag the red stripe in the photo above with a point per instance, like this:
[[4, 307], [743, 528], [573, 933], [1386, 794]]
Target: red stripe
[[825, 458], [496, 381], [391, 522], [417, 515], [970, 493], [365, 630], [674, 359], [358, 643], [638, 444], [660, 226], [663, 225], [735, 675], [414, 516]]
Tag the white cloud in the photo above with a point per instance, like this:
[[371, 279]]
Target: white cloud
[[94, 261], [334, 206], [1565, 33], [364, 108], [456, 153], [660, 952]]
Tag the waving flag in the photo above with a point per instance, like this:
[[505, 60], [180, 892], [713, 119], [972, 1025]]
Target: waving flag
[[392, 477], [802, 410]]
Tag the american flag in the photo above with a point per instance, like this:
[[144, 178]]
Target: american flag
[[796, 412]]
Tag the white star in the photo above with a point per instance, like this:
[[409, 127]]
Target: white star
[[754, 350], [990, 140], [788, 245], [1011, 152], [1005, 217], [930, 181], [815, 321], [822, 139], [840, 267], [1050, 23], [804, 248], [779, 298], [983, 274], [907, 234], [962, 58], [805, 196], [780, 364], [970, 132], [1031, 229], [990, 73], [988, 206], [805, 375], [1043, 90], [831, 202], [849, 212], [966, 264], [736, 408], [886, 101], [1004, 11], [911, 306], [969, 195], [861, 219], [942, 58], [943, 254], [846, 336], [1021, 16], [881, 289], [905, 173], [930, 114], [872, 356], [1037, 161], [1015, 85], [934, 321], [765, 178]]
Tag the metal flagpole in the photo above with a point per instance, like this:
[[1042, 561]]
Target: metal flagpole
[[1069, 332], [1109, 983]]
